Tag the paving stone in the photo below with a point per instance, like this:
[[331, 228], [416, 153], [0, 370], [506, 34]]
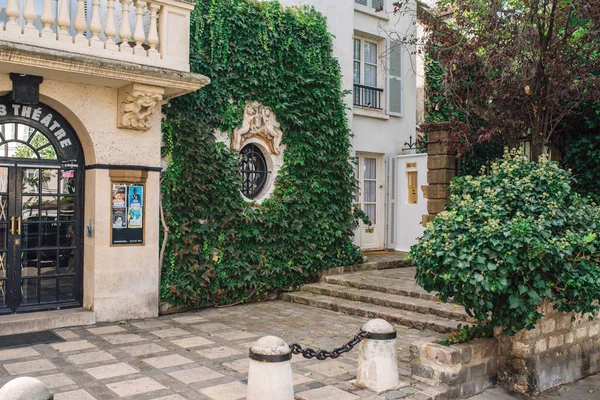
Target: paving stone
[[143, 349], [212, 327], [135, 386], [88, 358], [104, 330], [228, 391], [218, 352], [235, 335], [241, 365], [74, 395], [14, 354], [27, 367], [149, 324], [55, 380], [72, 346], [123, 339], [172, 397], [326, 393], [194, 375], [167, 333], [67, 334], [191, 319], [111, 371], [299, 379], [171, 360], [332, 368], [188, 343]]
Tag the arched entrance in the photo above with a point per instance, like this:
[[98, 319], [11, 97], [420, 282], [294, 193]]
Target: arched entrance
[[41, 210]]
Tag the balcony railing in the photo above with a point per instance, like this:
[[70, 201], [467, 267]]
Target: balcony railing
[[367, 96], [154, 32]]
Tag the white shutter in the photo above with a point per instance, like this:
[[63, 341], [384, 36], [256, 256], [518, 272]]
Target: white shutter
[[390, 201], [394, 86]]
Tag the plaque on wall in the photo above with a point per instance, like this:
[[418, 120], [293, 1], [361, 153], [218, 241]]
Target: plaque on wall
[[127, 214]]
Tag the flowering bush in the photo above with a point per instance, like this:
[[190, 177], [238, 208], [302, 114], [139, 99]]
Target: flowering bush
[[511, 239]]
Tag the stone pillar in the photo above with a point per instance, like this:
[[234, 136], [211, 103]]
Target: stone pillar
[[441, 165], [377, 360], [270, 370]]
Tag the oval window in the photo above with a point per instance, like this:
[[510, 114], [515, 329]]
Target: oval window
[[253, 168]]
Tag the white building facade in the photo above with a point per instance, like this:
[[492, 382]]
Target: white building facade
[[380, 73]]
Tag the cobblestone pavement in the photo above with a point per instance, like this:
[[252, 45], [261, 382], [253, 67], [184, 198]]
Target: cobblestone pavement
[[201, 355]]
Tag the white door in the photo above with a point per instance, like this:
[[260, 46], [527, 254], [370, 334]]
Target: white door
[[370, 199]]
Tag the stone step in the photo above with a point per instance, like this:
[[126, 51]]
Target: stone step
[[422, 306], [46, 320], [393, 315], [403, 287]]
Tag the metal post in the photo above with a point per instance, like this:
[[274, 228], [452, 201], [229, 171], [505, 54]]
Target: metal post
[[25, 388], [270, 370], [377, 361]]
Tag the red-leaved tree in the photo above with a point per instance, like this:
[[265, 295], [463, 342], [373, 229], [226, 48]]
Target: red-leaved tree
[[514, 68]]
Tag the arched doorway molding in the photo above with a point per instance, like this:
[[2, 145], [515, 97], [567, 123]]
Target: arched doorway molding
[[42, 165]]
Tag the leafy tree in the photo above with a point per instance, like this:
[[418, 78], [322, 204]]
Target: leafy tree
[[514, 68]]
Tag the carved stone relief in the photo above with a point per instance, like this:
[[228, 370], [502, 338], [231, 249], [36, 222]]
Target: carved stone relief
[[137, 105], [259, 121]]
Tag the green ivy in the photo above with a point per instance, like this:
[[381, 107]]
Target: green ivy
[[222, 249]]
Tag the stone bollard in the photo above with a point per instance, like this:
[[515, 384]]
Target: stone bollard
[[377, 362], [25, 389], [270, 371]]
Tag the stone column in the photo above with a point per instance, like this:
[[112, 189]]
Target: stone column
[[441, 165]]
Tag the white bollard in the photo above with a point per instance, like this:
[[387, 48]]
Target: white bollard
[[377, 362], [25, 389], [270, 371]]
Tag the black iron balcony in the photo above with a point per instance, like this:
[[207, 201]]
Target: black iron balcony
[[367, 96]]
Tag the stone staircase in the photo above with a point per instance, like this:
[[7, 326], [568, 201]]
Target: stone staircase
[[391, 294]]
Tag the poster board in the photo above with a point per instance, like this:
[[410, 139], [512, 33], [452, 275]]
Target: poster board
[[127, 213]]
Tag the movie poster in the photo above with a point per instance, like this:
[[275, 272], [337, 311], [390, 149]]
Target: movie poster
[[135, 203], [119, 218], [119, 196]]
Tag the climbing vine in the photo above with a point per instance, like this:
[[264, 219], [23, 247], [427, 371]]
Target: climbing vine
[[222, 249]]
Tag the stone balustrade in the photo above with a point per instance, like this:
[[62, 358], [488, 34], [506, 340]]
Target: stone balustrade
[[154, 32]]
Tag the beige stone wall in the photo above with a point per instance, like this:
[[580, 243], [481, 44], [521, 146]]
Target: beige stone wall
[[561, 349], [119, 282], [464, 369]]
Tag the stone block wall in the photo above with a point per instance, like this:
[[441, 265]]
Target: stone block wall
[[441, 165], [463, 369], [559, 350]]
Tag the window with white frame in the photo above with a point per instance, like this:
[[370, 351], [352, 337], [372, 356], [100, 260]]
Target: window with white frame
[[366, 92], [376, 5]]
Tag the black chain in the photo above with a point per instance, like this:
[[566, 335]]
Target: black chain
[[324, 354]]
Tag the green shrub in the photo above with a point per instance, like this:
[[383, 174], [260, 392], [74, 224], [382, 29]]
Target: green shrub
[[511, 239]]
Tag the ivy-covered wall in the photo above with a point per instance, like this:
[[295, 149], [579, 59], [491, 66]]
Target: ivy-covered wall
[[221, 249]]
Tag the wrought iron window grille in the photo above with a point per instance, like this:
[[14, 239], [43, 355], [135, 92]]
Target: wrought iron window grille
[[253, 170]]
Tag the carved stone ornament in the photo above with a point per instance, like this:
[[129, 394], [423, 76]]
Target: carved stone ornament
[[259, 121], [137, 104]]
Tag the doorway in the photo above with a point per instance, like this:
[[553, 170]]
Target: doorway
[[370, 200], [40, 218]]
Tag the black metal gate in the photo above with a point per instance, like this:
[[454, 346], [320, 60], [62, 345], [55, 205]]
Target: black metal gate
[[41, 210]]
